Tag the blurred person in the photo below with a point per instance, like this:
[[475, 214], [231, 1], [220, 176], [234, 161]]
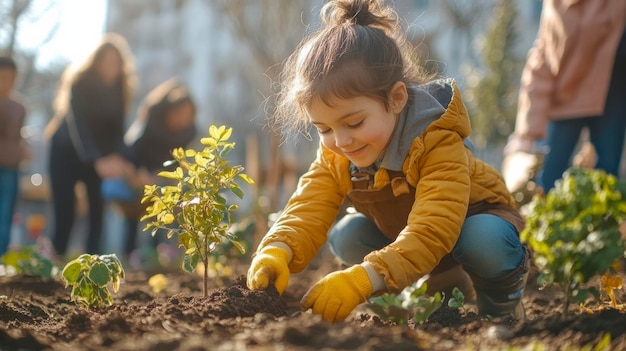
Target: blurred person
[[13, 148], [394, 141], [574, 78], [165, 121], [87, 135]]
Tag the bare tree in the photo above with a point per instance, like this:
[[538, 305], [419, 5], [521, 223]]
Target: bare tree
[[17, 16], [270, 29], [466, 19]]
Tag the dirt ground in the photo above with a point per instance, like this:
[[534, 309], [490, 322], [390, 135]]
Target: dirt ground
[[38, 315]]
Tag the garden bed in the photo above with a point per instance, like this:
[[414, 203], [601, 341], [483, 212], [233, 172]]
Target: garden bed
[[38, 315]]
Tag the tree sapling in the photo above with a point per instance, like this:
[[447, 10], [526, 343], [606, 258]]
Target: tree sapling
[[196, 203]]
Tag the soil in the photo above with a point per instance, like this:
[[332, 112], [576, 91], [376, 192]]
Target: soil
[[38, 315]]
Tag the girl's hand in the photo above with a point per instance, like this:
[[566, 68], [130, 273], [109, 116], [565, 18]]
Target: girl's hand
[[338, 293], [270, 265]]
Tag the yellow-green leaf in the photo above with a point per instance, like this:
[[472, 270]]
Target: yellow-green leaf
[[176, 175], [246, 178], [71, 272]]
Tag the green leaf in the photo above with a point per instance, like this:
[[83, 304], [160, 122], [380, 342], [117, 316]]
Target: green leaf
[[100, 274], [71, 272], [226, 150], [190, 262], [237, 191]]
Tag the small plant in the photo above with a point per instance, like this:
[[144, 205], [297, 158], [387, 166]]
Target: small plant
[[28, 261], [573, 231], [457, 300], [89, 277], [411, 301], [195, 204]]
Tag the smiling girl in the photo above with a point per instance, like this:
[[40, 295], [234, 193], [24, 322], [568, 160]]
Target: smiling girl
[[394, 142]]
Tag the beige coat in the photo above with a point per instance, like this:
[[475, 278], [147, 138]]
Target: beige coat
[[568, 69]]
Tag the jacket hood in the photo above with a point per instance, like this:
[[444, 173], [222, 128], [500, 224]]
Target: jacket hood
[[438, 105]]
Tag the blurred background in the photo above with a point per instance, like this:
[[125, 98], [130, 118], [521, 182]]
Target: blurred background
[[229, 53]]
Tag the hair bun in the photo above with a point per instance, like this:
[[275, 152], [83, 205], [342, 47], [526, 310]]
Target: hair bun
[[357, 12]]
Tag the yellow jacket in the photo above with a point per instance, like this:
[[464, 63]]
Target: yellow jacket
[[447, 178]]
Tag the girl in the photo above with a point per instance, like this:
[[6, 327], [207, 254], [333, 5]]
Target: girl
[[87, 135], [395, 145]]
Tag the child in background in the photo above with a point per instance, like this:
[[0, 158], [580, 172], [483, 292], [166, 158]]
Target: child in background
[[394, 142], [165, 121], [13, 148]]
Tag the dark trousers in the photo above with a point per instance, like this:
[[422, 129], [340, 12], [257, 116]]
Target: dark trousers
[[65, 171], [8, 197]]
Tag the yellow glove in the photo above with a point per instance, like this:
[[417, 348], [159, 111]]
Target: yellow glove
[[269, 266], [338, 293]]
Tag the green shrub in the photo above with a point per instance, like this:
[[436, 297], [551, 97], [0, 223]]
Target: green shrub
[[28, 261], [573, 231]]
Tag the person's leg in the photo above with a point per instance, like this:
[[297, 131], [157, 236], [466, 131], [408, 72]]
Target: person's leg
[[130, 226], [63, 168], [607, 131], [353, 237], [500, 277], [561, 141], [93, 184], [8, 195]]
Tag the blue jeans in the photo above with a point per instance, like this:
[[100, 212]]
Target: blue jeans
[[354, 236], [8, 196], [606, 132]]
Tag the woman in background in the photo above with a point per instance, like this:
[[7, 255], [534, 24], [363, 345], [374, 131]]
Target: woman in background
[[87, 135]]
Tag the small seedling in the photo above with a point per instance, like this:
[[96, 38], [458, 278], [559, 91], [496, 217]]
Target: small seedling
[[195, 204], [573, 231], [411, 301], [457, 300], [28, 261], [89, 277]]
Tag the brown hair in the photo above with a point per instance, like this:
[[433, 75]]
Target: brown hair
[[157, 104], [359, 51], [77, 71], [164, 98]]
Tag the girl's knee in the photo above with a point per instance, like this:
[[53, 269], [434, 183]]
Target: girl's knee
[[488, 246], [353, 237]]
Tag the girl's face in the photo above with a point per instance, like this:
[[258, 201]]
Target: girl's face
[[358, 128], [180, 117], [109, 66]]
